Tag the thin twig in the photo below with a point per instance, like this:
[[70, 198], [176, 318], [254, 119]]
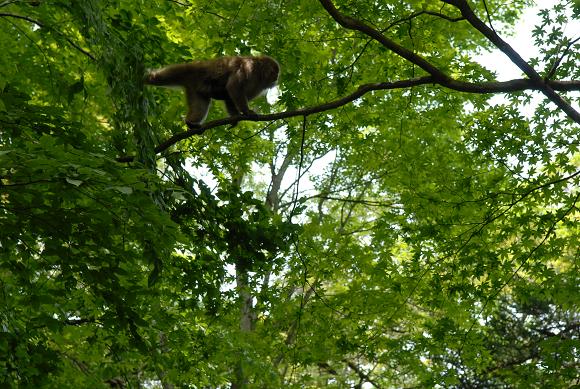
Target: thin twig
[[41, 25]]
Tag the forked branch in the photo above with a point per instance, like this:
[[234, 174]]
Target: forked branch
[[438, 75]]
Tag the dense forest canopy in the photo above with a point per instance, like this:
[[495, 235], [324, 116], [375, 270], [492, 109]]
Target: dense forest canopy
[[382, 222]]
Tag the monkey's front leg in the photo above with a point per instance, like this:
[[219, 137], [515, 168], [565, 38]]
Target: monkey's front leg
[[231, 108], [238, 100], [232, 111]]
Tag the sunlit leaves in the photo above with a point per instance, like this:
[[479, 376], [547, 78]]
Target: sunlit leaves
[[412, 238]]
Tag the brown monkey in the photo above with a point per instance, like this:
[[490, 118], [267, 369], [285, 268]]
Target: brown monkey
[[236, 80]]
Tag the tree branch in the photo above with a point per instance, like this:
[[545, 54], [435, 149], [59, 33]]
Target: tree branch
[[516, 85], [15, 16], [558, 60], [357, 25], [41, 25], [421, 13], [439, 76], [362, 375], [442, 16]]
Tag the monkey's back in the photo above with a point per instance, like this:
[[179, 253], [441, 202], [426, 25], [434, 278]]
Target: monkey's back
[[213, 75], [209, 78]]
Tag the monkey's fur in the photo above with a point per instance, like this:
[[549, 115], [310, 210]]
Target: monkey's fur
[[236, 80]]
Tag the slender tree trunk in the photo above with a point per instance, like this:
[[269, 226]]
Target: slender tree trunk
[[247, 314], [247, 318], [246, 299]]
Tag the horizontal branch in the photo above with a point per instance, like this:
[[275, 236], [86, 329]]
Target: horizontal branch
[[440, 15], [516, 85], [421, 13]]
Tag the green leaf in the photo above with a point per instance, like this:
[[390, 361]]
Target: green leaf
[[74, 182]]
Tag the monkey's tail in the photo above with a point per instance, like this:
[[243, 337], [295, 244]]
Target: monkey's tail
[[172, 75]]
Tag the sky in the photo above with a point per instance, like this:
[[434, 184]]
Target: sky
[[522, 41]]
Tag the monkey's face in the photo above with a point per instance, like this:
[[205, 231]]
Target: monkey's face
[[274, 76], [270, 85], [271, 71]]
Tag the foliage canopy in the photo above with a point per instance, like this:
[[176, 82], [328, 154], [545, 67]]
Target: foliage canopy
[[384, 223]]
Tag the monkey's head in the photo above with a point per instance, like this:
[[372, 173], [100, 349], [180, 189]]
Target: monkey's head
[[270, 70]]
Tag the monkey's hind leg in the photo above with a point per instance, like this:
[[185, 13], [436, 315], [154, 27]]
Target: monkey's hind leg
[[197, 108]]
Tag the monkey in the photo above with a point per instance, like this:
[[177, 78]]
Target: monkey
[[235, 80]]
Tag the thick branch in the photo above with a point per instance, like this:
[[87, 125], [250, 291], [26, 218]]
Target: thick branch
[[528, 70], [517, 85]]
